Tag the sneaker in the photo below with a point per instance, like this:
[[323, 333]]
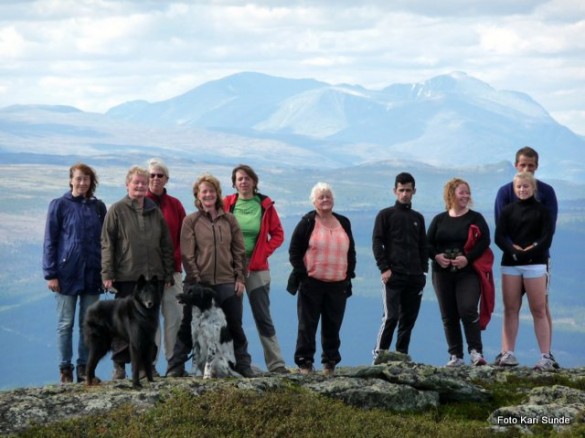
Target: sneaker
[[476, 358], [455, 362], [508, 360], [306, 368], [329, 369], [545, 363], [280, 370], [555, 363], [497, 359], [66, 374], [177, 371], [119, 372]]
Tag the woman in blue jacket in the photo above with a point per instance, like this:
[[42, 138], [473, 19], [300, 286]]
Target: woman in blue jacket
[[72, 261]]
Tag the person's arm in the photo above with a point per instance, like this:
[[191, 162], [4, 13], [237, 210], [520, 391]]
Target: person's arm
[[166, 246], [502, 199], [275, 232], [189, 250], [238, 248], [109, 238], [423, 245], [379, 242], [298, 247], [483, 242]]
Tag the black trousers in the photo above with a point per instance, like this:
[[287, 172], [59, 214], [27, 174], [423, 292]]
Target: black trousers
[[233, 309], [458, 294], [401, 299], [319, 300]]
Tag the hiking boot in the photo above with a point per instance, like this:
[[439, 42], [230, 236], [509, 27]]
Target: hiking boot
[[119, 371], [306, 368], [82, 374], [248, 373], [476, 358], [280, 370], [142, 374], [545, 363], [177, 371], [329, 369], [555, 363], [455, 362], [508, 360], [66, 374]]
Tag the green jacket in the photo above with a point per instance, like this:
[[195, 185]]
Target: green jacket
[[136, 242]]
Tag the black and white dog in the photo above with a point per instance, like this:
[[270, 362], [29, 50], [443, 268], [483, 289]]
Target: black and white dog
[[213, 348]]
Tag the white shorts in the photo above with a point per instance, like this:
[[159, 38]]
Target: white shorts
[[525, 271]]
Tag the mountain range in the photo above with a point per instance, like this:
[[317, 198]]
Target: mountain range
[[452, 120]]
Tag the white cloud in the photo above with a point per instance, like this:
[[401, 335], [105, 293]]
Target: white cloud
[[94, 54]]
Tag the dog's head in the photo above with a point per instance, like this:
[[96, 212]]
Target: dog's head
[[147, 292], [197, 295]]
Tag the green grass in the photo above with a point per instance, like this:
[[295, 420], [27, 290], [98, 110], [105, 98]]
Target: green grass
[[293, 412]]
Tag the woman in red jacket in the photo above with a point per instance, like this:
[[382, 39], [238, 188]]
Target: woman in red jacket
[[263, 234]]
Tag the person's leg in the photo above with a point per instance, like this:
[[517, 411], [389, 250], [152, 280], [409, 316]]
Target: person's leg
[[309, 303], [258, 290], [468, 292], [332, 311], [512, 298], [183, 345], [409, 307], [65, 318], [172, 312], [536, 293], [444, 285], [232, 307], [391, 312]]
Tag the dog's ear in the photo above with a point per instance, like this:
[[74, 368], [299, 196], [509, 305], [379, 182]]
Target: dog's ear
[[184, 298], [141, 281]]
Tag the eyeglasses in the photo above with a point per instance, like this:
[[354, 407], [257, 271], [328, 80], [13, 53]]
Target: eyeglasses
[[158, 175]]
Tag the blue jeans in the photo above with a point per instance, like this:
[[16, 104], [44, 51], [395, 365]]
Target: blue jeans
[[65, 319]]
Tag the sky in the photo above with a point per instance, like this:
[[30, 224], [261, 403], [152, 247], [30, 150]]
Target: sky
[[96, 54]]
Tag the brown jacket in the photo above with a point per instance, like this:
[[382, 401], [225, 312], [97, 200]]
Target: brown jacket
[[212, 250], [136, 242]]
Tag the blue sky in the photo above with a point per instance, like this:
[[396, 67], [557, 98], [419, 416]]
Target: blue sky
[[95, 54]]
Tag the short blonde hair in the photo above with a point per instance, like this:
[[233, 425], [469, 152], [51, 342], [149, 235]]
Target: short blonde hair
[[449, 191], [318, 188], [213, 182], [137, 170], [526, 176]]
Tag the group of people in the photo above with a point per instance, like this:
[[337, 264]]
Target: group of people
[[457, 241], [227, 241]]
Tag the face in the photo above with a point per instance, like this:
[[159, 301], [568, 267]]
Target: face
[[158, 180], [207, 196], [80, 183], [462, 196], [137, 186], [244, 184], [526, 164], [523, 188], [324, 201], [404, 192]]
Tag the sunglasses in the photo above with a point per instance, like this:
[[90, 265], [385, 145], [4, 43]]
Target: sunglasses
[[158, 175]]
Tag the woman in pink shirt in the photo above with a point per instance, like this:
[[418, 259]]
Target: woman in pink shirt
[[322, 253]]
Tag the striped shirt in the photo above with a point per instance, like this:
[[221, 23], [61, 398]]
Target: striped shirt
[[326, 257]]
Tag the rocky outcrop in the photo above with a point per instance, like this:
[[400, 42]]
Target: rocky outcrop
[[394, 385]]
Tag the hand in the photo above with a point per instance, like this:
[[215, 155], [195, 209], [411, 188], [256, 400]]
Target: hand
[[460, 262], [443, 261], [386, 276], [239, 288], [108, 284], [53, 285]]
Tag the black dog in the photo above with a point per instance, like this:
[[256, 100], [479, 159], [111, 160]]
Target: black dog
[[134, 319], [213, 347]]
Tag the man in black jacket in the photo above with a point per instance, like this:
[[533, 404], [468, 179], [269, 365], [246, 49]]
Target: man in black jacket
[[400, 249]]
